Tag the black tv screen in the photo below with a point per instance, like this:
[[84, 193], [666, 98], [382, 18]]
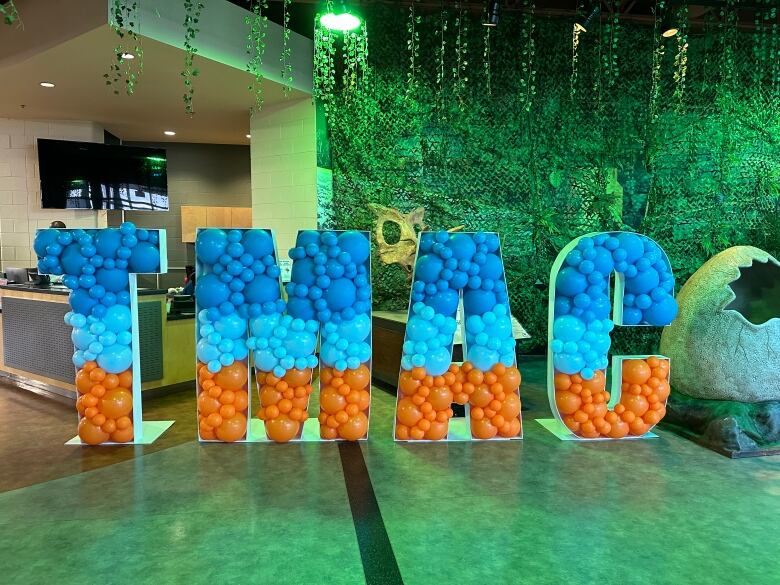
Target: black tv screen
[[88, 175]]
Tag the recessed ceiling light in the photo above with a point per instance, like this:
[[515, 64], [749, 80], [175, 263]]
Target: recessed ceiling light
[[249, 136], [169, 133], [128, 56], [47, 84]]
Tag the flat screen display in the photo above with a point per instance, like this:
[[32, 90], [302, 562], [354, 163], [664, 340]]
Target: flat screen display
[[88, 175]]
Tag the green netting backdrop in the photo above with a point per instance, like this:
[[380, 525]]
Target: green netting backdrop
[[542, 155]]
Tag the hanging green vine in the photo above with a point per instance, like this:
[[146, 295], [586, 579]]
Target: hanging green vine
[[127, 63], [576, 31], [486, 55], [413, 50], [681, 58], [528, 52], [257, 22], [192, 11], [286, 49], [728, 30], [10, 14], [611, 36], [459, 74], [658, 59]]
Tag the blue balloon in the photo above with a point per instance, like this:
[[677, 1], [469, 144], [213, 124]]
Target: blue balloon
[[210, 291], [300, 308], [643, 282], [356, 245], [600, 306], [437, 361], [340, 294], [258, 243], [261, 290], [428, 268], [478, 302], [115, 359], [483, 358], [492, 268], [602, 260], [206, 351], [358, 329], [210, 245], [444, 302], [570, 282], [265, 360], [462, 246], [230, 327], [568, 328], [118, 318], [631, 316], [107, 242], [112, 280], [145, 258], [633, 246], [42, 240], [81, 302], [264, 325], [501, 329], [72, 260], [661, 313], [303, 272], [568, 363]]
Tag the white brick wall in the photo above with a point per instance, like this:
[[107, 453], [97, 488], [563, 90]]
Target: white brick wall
[[284, 170], [20, 198]]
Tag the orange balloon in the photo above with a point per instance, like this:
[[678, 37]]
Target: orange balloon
[[91, 434], [355, 428], [511, 379], [359, 378], [618, 429], [282, 429], [511, 407], [408, 383], [298, 377], [567, 402], [511, 429], [407, 412], [126, 379], [111, 381], [232, 377], [440, 397], [89, 366], [116, 403], [83, 382], [109, 426], [636, 371], [365, 400], [437, 431], [328, 433], [232, 429], [597, 383], [635, 403], [483, 429], [562, 381], [331, 401], [481, 395], [122, 435], [241, 401]]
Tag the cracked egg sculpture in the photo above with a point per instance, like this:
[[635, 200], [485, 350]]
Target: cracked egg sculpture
[[725, 350]]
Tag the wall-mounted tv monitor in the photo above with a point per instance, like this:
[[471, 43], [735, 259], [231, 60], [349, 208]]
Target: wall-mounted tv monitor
[[88, 175]]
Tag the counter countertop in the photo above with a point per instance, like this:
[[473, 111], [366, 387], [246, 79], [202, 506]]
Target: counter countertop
[[58, 289]]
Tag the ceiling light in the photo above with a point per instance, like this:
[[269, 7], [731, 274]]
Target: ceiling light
[[491, 18], [340, 19], [47, 84], [128, 56], [169, 133], [249, 136], [587, 24], [668, 27]]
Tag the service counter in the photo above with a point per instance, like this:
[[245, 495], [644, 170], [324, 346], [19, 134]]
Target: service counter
[[36, 349]]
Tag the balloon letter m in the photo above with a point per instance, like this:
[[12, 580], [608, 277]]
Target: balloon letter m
[[581, 317], [99, 267]]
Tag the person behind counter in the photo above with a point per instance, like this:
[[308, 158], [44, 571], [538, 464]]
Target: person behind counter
[[57, 224], [189, 282]]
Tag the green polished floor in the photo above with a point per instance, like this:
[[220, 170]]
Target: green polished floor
[[537, 511]]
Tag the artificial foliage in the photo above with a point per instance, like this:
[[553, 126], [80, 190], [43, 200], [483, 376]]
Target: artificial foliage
[[123, 71], [542, 136]]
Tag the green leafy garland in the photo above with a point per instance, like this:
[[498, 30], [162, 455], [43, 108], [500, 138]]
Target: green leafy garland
[[124, 23], [486, 54], [658, 59], [192, 11], [528, 52], [255, 48], [287, 78], [681, 58], [460, 77], [413, 50]]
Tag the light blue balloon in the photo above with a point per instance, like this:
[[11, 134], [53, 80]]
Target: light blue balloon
[[358, 329], [482, 357], [264, 325], [568, 363], [118, 318], [96, 347], [226, 359], [81, 338], [115, 359], [231, 326], [437, 361], [78, 359], [568, 328], [265, 360], [419, 329], [330, 355], [300, 343], [124, 338], [206, 352], [214, 366], [240, 350]]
